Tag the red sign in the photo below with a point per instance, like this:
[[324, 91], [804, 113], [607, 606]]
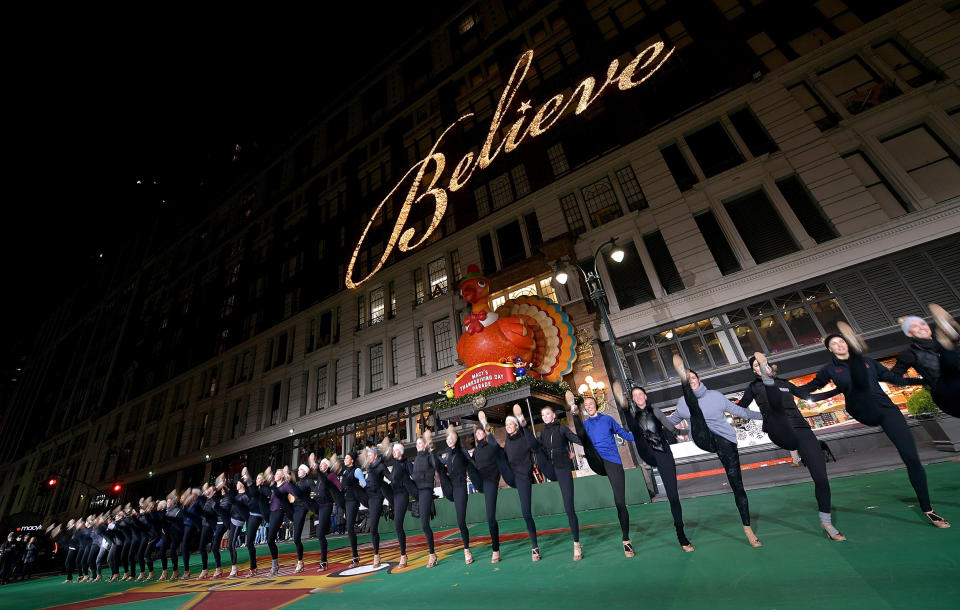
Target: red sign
[[481, 377]]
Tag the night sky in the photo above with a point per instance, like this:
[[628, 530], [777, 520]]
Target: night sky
[[103, 100]]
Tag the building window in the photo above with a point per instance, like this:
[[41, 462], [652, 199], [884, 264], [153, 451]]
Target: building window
[[361, 312], [455, 265], [487, 257], [601, 202], [325, 329], [311, 335], [419, 287], [322, 380], [662, 262], [907, 69], [376, 306], [443, 343], [392, 289], [766, 49], [807, 210], [677, 164], [558, 159], [632, 192], [571, 213], [877, 185], [356, 374], [394, 361], [500, 191], [421, 353], [713, 150], [510, 242], [275, 391], [336, 381], [482, 201], [717, 243], [437, 273], [521, 185], [813, 107], [927, 160], [534, 236], [760, 227], [856, 85], [376, 367], [628, 279], [756, 138]]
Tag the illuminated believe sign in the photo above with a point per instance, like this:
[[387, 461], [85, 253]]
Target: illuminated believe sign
[[642, 67]]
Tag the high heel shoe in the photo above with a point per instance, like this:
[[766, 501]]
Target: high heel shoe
[[854, 341], [467, 556], [838, 536], [628, 549], [495, 558], [937, 520], [751, 537], [321, 567], [403, 562], [518, 413], [299, 568], [432, 560], [535, 554], [687, 548], [945, 322], [354, 562], [679, 367], [577, 551], [218, 573]]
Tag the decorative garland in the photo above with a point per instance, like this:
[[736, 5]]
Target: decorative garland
[[558, 387]]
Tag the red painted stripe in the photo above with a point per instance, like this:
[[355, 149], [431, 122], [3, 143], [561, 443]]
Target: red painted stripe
[[716, 471]]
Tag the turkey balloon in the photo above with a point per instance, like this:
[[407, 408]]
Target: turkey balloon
[[532, 329]]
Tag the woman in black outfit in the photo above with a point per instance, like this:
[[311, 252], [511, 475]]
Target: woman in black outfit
[[117, 540], [192, 520], [257, 500], [353, 483], [424, 469], [73, 548], [788, 429], [142, 524], [937, 360], [519, 448], [85, 538], [149, 518], [859, 378], [326, 491], [303, 486], [554, 441], [652, 440], [210, 522], [173, 526], [377, 491], [283, 494], [132, 543], [490, 463], [452, 463], [399, 476]]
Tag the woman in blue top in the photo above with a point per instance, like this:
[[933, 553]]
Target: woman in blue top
[[600, 430], [706, 410]]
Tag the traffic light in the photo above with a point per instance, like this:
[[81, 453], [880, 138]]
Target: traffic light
[[116, 488]]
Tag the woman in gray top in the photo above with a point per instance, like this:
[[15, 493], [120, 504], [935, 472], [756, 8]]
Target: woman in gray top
[[706, 411]]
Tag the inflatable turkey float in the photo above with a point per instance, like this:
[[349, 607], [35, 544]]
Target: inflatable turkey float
[[528, 329]]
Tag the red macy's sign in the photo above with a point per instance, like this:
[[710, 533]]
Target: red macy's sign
[[481, 377]]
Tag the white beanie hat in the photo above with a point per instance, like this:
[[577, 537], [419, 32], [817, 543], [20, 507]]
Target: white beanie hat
[[906, 322]]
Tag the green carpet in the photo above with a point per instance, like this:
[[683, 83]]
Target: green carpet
[[893, 559]]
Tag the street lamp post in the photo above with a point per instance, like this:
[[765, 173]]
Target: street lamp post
[[598, 295]]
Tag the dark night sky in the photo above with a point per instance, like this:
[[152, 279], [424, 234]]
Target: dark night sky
[[100, 104]]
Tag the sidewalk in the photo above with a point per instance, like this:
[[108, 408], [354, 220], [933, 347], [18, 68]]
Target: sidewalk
[[873, 460]]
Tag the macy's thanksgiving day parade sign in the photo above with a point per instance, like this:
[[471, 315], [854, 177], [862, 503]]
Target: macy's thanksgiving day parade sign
[[642, 67]]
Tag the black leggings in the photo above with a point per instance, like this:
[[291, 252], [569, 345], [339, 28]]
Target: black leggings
[[175, 539], [490, 493], [142, 553], [253, 523], [618, 485], [565, 479], [299, 516], [946, 392], [525, 489], [425, 505], [460, 503], [709, 441], [189, 533], [276, 520], [211, 534], [84, 559], [68, 564], [400, 503], [352, 506], [802, 440], [130, 553], [865, 408], [323, 528], [664, 463], [373, 519], [113, 558]]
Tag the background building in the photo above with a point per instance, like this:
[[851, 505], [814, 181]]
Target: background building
[[792, 164]]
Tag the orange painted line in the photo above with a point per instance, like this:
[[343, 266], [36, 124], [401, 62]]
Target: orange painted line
[[751, 466]]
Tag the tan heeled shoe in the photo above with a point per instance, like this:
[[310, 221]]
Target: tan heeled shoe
[[854, 341], [299, 568], [218, 573], [535, 554], [403, 562], [203, 574], [838, 536], [495, 558], [937, 520], [518, 413], [376, 561], [432, 560], [577, 551], [467, 556], [751, 537], [679, 367], [628, 549]]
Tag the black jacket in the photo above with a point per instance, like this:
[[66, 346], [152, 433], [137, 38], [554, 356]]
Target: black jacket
[[375, 483], [785, 407], [424, 467], [519, 448], [923, 355], [210, 513], [326, 490], [399, 475], [554, 441], [838, 371]]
